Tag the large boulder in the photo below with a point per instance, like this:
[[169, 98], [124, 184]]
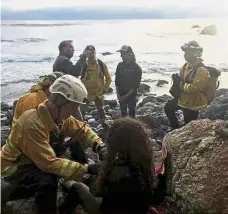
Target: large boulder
[[218, 109], [209, 30], [199, 157]]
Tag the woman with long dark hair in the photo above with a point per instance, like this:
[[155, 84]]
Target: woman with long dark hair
[[126, 181]]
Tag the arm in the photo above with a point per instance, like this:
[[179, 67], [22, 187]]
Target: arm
[[117, 77], [36, 147], [78, 130], [199, 83], [68, 67], [137, 78], [108, 79]]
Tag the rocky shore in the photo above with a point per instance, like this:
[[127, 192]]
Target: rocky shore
[[199, 172]]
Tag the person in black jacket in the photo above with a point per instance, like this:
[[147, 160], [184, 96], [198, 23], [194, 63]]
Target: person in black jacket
[[126, 181], [128, 78], [63, 62]]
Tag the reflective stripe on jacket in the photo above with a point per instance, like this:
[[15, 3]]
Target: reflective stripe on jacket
[[192, 95], [30, 136]]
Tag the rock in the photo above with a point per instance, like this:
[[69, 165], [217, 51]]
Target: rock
[[87, 117], [161, 83], [106, 53], [106, 108], [218, 109], [5, 131], [221, 91], [199, 158], [195, 26], [147, 99], [5, 107], [143, 88], [164, 98], [209, 30], [90, 121], [111, 103], [109, 91]]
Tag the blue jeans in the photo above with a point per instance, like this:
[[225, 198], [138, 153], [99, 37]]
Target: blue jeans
[[128, 105]]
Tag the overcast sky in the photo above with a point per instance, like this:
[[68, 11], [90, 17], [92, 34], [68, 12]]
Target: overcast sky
[[217, 5]]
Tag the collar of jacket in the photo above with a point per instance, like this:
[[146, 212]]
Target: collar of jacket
[[92, 64], [198, 61], [45, 116]]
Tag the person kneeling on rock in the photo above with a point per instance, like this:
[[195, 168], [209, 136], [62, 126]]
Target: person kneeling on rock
[[126, 181], [29, 162], [192, 82], [128, 78]]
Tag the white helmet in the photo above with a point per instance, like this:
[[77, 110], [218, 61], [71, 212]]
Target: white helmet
[[71, 88]]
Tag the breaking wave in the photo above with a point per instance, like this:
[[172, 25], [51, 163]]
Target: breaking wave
[[40, 59], [24, 40], [43, 25]]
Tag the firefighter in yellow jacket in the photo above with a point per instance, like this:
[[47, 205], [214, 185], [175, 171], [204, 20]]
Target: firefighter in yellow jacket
[[97, 79], [38, 93], [29, 161], [193, 83]]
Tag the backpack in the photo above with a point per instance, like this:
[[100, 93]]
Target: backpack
[[213, 82], [102, 73]]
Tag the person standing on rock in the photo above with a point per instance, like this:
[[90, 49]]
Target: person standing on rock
[[28, 161], [64, 64], [128, 78], [97, 79], [193, 80]]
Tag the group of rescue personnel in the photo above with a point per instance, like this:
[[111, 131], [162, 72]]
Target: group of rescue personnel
[[33, 161]]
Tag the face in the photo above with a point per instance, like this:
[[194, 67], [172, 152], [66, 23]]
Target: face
[[69, 109], [125, 57], [68, 51]]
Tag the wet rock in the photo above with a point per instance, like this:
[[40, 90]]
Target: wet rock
[[143, 88], [195, 26], [109, 91], [106, 53], [221, 91], [199, 157], [90, 121], [5, 107], [111, 103], [147, 99], [161, 83], [106, 108], [5, 131], [218, 109], [164, 98], [87, 117], [209, 30], [114, 114]]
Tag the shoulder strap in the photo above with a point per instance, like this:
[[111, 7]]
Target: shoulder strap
[[195, 70], [84, 69], [101, 64]]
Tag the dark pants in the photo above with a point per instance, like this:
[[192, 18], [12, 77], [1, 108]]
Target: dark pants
[[30, 181], [130, 105], [170, 109]]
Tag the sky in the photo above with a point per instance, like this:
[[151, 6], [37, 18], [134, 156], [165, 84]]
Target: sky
[[216, 7]]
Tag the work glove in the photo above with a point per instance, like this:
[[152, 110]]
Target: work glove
[[95, 168], [102, 151]]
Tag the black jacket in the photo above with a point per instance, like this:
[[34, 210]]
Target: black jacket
[[128, 76], [64, 64]]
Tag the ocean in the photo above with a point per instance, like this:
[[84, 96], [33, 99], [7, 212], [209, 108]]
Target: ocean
[[29, 48]]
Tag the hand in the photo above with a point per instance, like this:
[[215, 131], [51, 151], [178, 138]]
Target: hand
[[122, 99], [95, 168], [86, 53]]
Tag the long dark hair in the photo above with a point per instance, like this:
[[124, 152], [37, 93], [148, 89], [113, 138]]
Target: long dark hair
[[128, 142]]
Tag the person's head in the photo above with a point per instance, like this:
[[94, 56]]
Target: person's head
[[67, 93], [45, 83], [192, 51], [127, 54], [128, 141], [66, 48], [92, 51]]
